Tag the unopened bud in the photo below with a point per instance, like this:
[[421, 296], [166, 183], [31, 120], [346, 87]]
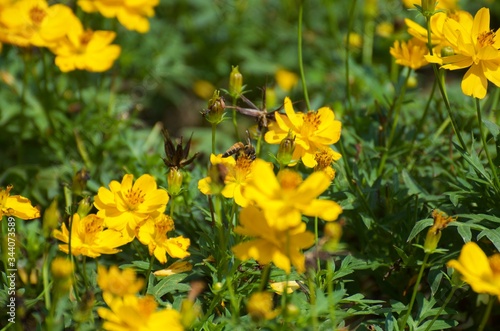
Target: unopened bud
[[84, 207], [215, 112], [62, 270], [235, 82], [174, 180], [428, 6], [432, 240], [447, 51], [286, 149], [50, 219], [80, 181]]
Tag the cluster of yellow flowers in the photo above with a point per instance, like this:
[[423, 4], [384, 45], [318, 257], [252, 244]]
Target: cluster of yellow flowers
[[127, 310], [273, 204], [127, 210], [27, 23], [458, 41]]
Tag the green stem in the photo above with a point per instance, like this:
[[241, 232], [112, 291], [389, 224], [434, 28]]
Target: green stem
[[485, 146], [151, 262], [301, 64], [45, 277], [172, 206], [84, 272], [446, 302], [264, 278], [415, 291], [214, 126], [397, 111], [316, 242], [487, 313]]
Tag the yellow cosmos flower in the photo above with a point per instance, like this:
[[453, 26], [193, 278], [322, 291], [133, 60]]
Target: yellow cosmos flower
[[175, 268], [410, 54], [286, 80], [237, 174], [118, 282], [312, 130], [260, 306], [285, 197], [324, 159], [89, 238], [86, 50], [479, 271], [283, 248], [154, 234], [279, 287], [132, 313], [128, 204], [34, 22], [16, 205], [475, 46], [132, 14]]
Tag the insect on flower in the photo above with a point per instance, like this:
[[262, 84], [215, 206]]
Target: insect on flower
[[240, 149]]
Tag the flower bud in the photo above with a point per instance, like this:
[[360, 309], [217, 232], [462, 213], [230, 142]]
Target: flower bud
[[235, 82], [62, 270], [80, 181], [84, 207], [431, 240], [333, 232], [428, 6], [51, 218], [215, 112], [174, 180], [286, 149], [441, 221], [189, 313], [447, 51]]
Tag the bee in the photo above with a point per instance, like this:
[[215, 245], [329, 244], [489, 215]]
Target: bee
[[240, 149]]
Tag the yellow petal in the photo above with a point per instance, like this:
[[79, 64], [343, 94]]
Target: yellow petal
[[474, 82], [481, 23]]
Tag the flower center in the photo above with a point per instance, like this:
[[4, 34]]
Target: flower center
[[242, 167], [324, 159], [134, 198], [486, 38], [37, 15], [91, 225], [289, 180], [311, 122], [164, 224]]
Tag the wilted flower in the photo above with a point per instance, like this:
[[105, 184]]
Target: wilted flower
[[441, 221], [175, 268], [16, 205]]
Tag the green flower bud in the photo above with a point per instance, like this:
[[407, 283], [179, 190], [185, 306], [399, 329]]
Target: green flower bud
[[447, 51], [215, 112], [80, 181], [174, 180], [84, 207], [235, 82], [285, 151]]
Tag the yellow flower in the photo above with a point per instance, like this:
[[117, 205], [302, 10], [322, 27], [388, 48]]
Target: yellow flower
[[16, 205], [475, 46], [284, 197], [410, 54], [175, 268], [479, 271], [237, 174], [34, 22], [385, 29], [118, 283], [132, 14], [132, 313], [279, 287], [86, 50], [286, 80], [89, 238], [324, 159], [154, 234], [313, 131], [283, 248], [260, 306], [126, 205], [62, 271]]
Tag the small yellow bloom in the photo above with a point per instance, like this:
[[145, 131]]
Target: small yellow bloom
[[475, 46], [286, 80], [313, 131], [128, 204], [283, 248], [132, 14], [175, 268], [279, 287], [479, 271], [285, 197], [89, 238], [16, 205], [154, 234], [86, 50], [237, 174], [410, 54], [132, 313], [118, 282], [260, 306], [62, 271], [385, 29], [34, 22], [324, 159]]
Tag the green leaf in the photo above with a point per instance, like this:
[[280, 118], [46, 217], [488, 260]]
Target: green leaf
[[419, 226], [493, 235], [170, 284]]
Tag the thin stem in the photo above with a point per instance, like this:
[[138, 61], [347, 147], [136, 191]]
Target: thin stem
[[151, 262], [301, 64], [264, 278], [485, 146], [214, 126], [415, 291], [446, 302], [316, 242], [487, 313], [397, 111]]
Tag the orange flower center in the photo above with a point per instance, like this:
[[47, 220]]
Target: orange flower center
[[37, 15], [164, 225], [93, 224], [486, 38], [242, 167], [134, 198], [324, 159], [311, 122], [289, 180]]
